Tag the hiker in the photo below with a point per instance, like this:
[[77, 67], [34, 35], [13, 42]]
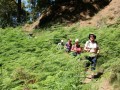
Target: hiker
[[60, 45], [92, 48], [68, 46], [76, 49]]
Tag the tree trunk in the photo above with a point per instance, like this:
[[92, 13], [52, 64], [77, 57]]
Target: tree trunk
[[19, 11]]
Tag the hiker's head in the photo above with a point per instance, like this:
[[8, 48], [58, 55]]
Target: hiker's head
[[62, 41], [92, 37], [69, 40], [76, 41]]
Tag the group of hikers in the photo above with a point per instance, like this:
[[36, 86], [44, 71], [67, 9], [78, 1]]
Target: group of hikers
[[90, 46]]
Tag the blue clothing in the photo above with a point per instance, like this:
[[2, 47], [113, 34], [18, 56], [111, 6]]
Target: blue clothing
[[68, 47], [93, 61]]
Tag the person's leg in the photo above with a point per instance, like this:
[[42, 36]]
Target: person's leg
[[93, 63], [88, 63]]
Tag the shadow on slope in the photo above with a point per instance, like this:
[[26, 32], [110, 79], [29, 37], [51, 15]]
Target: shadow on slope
[[71, 11]]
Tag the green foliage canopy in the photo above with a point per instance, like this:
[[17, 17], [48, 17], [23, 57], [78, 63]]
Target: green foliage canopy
[[7, 9]]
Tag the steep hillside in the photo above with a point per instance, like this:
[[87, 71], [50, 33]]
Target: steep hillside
[[35, 63], [69, 11], [109, 15], [88, 17]]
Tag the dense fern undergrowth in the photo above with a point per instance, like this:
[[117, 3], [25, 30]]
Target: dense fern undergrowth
[[34, 63]]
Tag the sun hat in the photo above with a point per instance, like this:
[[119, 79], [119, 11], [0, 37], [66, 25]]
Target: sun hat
[[61, 40], [76, 40]]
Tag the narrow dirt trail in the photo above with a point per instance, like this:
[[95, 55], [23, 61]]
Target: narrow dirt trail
[[88, 78], [105, 85], [102, 84]]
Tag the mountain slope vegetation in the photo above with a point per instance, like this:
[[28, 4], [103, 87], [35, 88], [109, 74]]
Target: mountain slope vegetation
[[34, 63]]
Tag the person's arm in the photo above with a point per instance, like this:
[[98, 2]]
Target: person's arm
[[65, 45], [73, 47], [98, 50], [86, 47]]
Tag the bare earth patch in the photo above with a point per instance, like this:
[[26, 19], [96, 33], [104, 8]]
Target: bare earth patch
[[88, 78], [105, 85], [108, 15]]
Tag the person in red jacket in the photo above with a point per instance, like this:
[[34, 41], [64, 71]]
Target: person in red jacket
[[76, 49]]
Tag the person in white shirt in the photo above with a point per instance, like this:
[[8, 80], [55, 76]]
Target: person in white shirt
[[60, 45], [91, 46]]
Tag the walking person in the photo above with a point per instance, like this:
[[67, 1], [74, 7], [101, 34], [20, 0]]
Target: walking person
[[91, 46], [76, 49], [68, 46], [60, 45]]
